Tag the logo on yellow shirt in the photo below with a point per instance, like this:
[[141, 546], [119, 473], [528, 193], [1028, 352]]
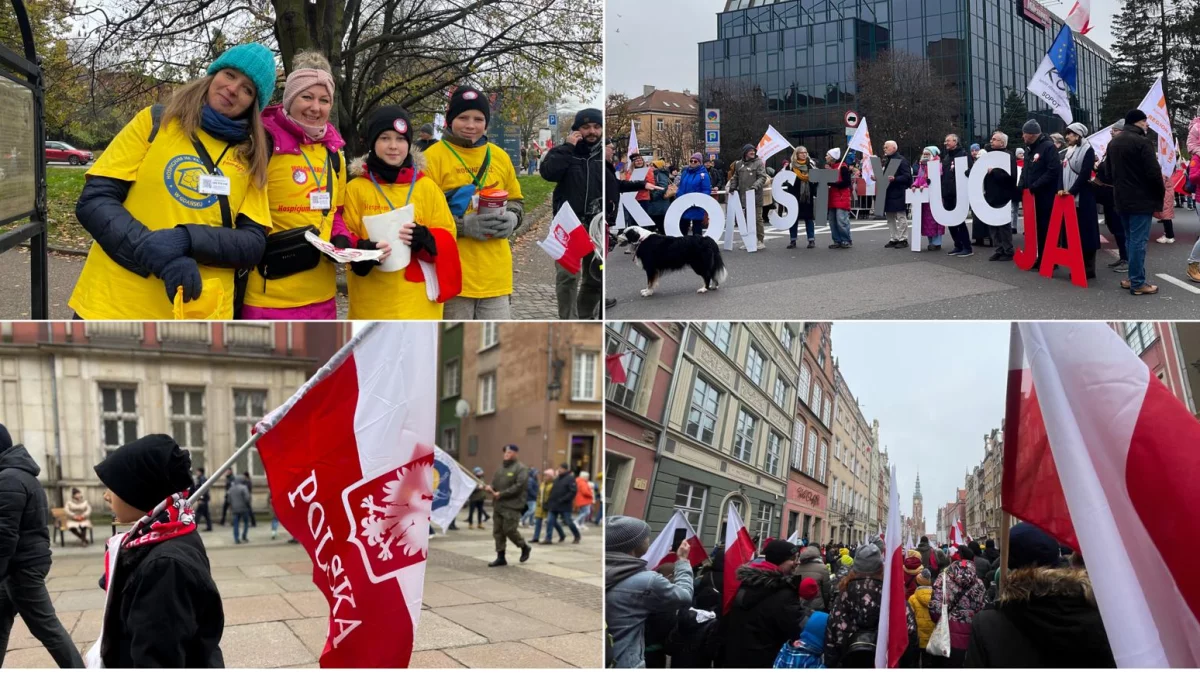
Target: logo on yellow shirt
[[299, 176], [182, 178]]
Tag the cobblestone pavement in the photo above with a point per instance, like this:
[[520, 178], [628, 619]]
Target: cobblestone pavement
[[542, 614]]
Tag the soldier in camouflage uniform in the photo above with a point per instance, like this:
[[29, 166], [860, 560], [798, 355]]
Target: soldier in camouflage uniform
[[508, 495]]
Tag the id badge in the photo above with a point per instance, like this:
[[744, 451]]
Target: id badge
[[214, 184], [319, 201]]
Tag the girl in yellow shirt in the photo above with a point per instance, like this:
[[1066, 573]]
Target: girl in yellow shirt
[[179, 196], [388, 178]]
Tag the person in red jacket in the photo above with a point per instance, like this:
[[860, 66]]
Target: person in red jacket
[[584, 498], [839, 200]]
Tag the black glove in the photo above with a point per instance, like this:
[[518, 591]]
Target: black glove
[[184, 272], [160, 247], [340, 241], [422, 240], [363, 267]]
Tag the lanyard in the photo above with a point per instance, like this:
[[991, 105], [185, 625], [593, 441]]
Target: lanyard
[[476, 181], [316, 179], [407, 199], [217, 164]]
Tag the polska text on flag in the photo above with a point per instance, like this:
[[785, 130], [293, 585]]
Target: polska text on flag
[[451, 488], [349, 460], [567, 241], [662, 549], [1054, 79], [1103, 459]]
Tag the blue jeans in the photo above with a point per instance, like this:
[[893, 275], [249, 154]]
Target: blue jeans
[[935, 240], [244, 520], [808, 229], [839, 226], [527, 519], [584, 513], [532, 166], [557, 518], [1137, 235]]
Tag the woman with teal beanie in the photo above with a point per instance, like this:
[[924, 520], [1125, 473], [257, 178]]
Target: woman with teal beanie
[[178, 203]]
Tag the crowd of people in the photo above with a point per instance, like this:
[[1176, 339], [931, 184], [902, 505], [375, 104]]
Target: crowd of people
[[212, 197], [808, 605], [1126, 184]]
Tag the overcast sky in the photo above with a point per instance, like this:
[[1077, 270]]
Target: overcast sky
[[639, 51], [936, 388]]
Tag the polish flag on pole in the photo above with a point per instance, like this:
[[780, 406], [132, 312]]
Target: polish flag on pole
[[349, 459], [892, 607], [618, 366], [739, 550], [1080, 16], [633, 142], [661, 551], [1110, 459], [568, 240], [963, 537], [955, 537]]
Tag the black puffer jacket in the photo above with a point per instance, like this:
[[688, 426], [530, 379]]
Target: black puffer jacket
[[613, 187], [24, 515], [1136, 177], [577, 172], [1043, 172], [949, 184], [1044, 618], [765, 613], [562, 495]]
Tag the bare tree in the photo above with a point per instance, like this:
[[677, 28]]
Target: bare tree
[[677, 140], [905, 101], [744, 117], [617, 118]]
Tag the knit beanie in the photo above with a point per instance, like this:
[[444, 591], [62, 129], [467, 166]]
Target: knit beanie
[[779, 551], [5, 439], [836, 154], [303, 78], [585, 116], [698, 157], [813, 634], [147, 471], [468, 98], [1134, 116], [1031, 127], [427, 129], [391, 117], [1029, 546], [255, 62], [1079, 129], [623, 533], [924, 578], [843, 551], [809, 588], [868, 560], [912, 563], [847, 560]]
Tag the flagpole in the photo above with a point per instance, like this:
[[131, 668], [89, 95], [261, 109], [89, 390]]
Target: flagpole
[[220, 470], [1005, 527]]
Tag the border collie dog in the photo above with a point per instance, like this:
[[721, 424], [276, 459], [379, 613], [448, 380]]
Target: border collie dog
[[658, 254]]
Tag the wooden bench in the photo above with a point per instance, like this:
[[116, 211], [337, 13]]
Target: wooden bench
[[63, 524]]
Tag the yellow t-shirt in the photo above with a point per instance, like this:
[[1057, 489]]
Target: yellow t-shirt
[[487, 265], [165, 193], [290, 180], [388, 295]]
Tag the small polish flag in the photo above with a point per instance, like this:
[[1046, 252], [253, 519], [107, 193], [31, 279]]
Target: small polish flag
[[350, 460], [661, 551], [1080, 16], [892, 607], [618, 366], [1109, 463], [568, 240], [739, 550], [963, 537]]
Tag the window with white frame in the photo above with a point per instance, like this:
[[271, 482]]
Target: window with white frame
[[450, 374], [187, 421], [702, 416], [690, 499], [450, 441], [1139, 335], [810, 461], [821, 459], [797, 445], [743, 436], [763, 528], [814, 403], [833, 493], [780, 395], [754, 365], [624, 338], [487, 393], [249, 407], [659, 124], [821, 355], [719, 333], [774, 443], [805, 382], [678, 125], [827, 412], [490, 335], [118, 415], [837, 448], [583, 376], [786, 336]]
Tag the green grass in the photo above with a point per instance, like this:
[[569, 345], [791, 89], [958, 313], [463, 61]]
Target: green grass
[[536, 191]]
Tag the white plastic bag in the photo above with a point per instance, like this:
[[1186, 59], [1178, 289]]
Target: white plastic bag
[[939, 641]]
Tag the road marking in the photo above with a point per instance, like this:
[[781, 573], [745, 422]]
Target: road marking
[[1182, 284]]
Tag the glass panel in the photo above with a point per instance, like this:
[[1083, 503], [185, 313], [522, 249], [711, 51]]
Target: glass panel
[[241, 434], [130, 430], [128, 403], [239, 403], [179, 431], [108, 400], [196, 398], [112, 432], [177, 402], [258, 404], [197, 434]]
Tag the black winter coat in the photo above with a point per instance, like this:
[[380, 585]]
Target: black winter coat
[[164, 610], [1045, 618], [1137, 179], [562, 494], [24, 536], [765, 613], [613, 187], [894, 202], [576, 172], [949, 184], [1000, 188], [1043, 172], [1087, 210], [804, 196]]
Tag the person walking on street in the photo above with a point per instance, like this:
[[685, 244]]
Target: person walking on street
[[920, 625], [576, 170], [25, 556], [541, 510], [584, 498], [855, 611], [894, 207], [1166, 215], [802, 189], [562, 499], [839, 200], [657, 207], [239, 503], [1138, 192], [962, 238], [475, 502], [531, 495], [1077, 181], [228, 487], [1042, 176], [202, 503], [1000, 188], [749, 173], [249, 483], [508, 495]]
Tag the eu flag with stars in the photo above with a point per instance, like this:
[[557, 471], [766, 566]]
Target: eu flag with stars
[[1062, 54]]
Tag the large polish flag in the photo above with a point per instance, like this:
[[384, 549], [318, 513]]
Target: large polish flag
[[349, 459], [1099, 452], [739, 550], [892, 608], [661, 551]]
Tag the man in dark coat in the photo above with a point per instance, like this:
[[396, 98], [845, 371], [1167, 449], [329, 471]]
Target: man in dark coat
[[508, 494], [992, 553], [574, 167], [765, 612], [926, 551], [1045, 615], [1000, 188], [1043, 177], [560, 503], [894, 206], [1138, 192], [1104, 197], [953, 150], [163, 609], [811, 567], [25, 556], [983, 566]]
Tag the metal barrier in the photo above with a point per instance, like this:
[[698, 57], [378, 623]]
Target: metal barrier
[[23, 160]]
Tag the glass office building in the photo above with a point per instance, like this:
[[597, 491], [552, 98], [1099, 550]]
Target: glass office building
[[801, 54]]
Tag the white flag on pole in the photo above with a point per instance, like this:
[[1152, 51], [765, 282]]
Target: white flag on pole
[[451, 487], [1100, 140], [1155, 107], [633, 142], [861, 140], [1049, 87], [771, 143]]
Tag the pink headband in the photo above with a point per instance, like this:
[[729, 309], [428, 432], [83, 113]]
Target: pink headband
[[302, 79]]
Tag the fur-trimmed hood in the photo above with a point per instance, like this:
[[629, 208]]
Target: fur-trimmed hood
[[357, 167], [764, 578], [1025, 585]]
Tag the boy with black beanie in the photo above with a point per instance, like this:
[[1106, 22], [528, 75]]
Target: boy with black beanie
[[464, 164], [163, 608]]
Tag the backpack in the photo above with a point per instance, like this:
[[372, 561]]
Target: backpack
[[861, 652]]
